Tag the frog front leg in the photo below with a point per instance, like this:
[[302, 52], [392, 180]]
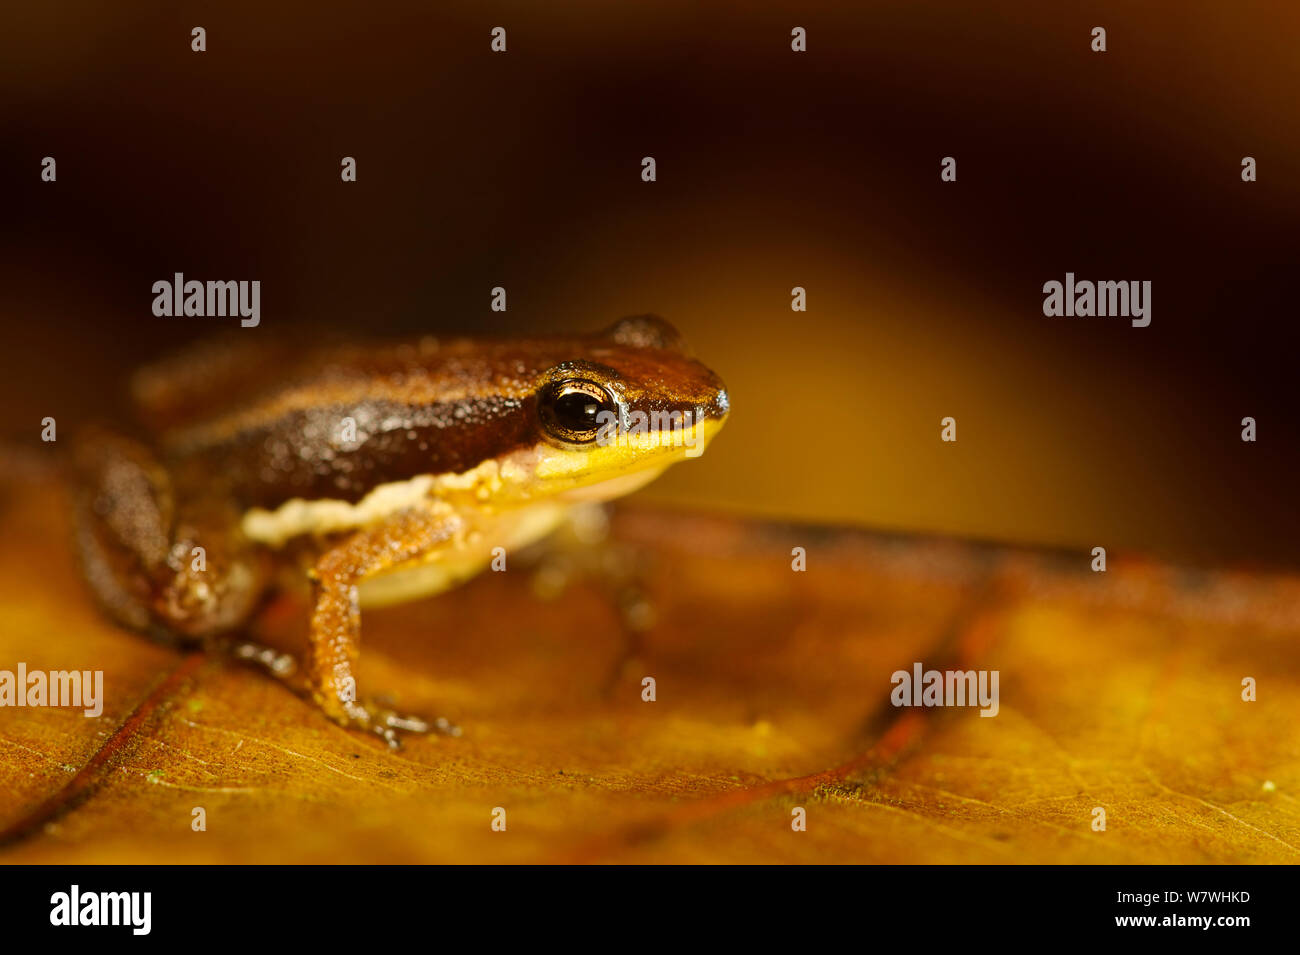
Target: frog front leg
[[403, 538]]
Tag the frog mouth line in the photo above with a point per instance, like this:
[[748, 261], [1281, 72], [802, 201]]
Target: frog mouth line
[[618, 452]]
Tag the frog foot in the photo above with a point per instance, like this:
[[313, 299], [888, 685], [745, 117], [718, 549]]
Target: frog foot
[[282, 666], [389, 725]]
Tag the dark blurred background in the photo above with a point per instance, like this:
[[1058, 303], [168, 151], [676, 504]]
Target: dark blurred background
[[775, 169]]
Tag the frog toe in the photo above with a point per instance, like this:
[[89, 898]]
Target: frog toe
[[390, 725]]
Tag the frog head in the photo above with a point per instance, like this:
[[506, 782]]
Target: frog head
[[629, 403]]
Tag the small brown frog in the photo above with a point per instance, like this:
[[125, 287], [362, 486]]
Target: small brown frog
[[395, 470]]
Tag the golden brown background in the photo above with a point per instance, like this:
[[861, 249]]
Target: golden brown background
[[775, 170], [1120, 690]]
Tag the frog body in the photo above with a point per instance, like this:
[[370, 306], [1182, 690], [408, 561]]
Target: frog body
[[384, 473]]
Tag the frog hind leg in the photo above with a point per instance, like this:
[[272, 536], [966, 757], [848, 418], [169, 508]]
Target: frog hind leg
[[179, 575], [402, 538]]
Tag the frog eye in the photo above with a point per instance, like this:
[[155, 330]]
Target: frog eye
[[575, 410]]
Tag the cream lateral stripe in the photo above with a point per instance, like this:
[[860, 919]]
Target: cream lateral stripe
[[323, 516]]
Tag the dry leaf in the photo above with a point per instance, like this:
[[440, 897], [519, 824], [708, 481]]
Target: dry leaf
[[1120, 690]]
